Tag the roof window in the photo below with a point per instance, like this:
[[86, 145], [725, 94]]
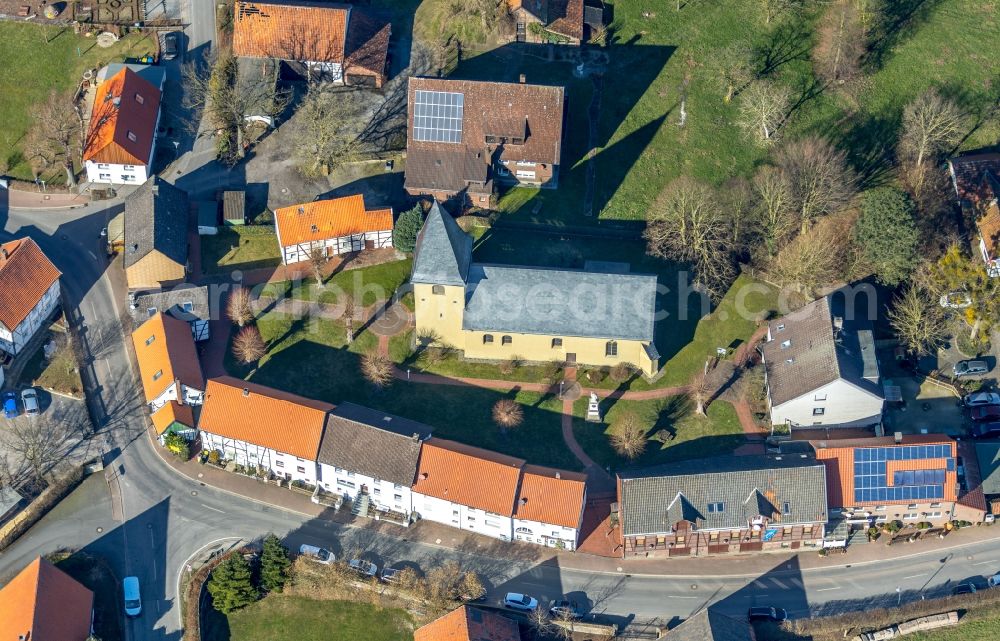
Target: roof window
[[139, 99], [149, 341], [131, 136], [781, 327], [313, 228], [715, 508], [786, 344]]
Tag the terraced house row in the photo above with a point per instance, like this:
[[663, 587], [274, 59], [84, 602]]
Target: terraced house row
[[387, 466]]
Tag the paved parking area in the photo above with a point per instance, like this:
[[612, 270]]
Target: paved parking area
[[926, 405]]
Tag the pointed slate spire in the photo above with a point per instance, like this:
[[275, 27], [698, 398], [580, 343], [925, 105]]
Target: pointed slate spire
[[443, 251]]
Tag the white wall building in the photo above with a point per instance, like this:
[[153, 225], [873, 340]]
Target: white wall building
[[29, 293], [335, 226], [168, 362], [549, 508]]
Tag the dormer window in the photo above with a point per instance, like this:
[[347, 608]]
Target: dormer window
[[716, 508], [132, 136], [781, 327], [786, 508], [313, 228]]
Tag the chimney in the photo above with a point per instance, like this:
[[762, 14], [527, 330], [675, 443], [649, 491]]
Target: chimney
[[524, 500], [423, 476], [416, 436], [6, 254], [558, 475], [302, 210], [156, 189], [897, 437], [522, 79], [246, 391], [838, 322]]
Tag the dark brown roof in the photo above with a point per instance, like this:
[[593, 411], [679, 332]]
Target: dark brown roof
[[969, 171], [373, 443], [367, 42], [487, 108], [566, 17], [447, 170], [234, 205]]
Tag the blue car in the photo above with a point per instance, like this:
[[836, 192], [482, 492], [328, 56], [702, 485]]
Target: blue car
[[9, 405]]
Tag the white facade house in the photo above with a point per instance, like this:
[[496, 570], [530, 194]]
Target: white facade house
[[121, 140], [29, 293], [260, 427], [549, 508], [168, 362], [464, 517], [820, 366], [335, 226]]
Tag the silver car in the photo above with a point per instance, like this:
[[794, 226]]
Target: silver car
[[29, 398], [364, 568]]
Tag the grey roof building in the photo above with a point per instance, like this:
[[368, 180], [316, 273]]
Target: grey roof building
[[186, 302], [723, 493], [821, 365], [709, 625], [443, 252], [988, 453], [372, 443], [156, 218]]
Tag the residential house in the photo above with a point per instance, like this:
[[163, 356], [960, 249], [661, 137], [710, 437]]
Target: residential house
[[121, 139], [909, 478], [370, 457], [821, 367], [710, 625], [561, 17], [549, 507], [156, 240], [730, 504], [29, 293], [988, 457], [188, 303], [464, 135], [493, 312], [260, 427], [469, 624], [42, 602], [335, 226], [976, 179], [327, 42], [174, 418], [168, 362], [467, 487]]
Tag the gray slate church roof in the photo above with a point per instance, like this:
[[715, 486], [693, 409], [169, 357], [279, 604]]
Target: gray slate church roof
[[443, 252], [655, 499], [370, 442], [819, 353], [156, 217]]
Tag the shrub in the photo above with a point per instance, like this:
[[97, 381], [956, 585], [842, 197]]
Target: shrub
[[508, 366], [377, 369], [213, 457], [552, 370], [231, 585], [404, 234], [595, 376], [621, 372], [274, 564], [507, 413], [178, 445], [628, 435]]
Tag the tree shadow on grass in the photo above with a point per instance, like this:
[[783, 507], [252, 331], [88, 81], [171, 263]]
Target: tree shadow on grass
[[898, 21]]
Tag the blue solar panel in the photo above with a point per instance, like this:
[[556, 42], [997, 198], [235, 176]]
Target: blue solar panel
[[870, 481], [437, 116]]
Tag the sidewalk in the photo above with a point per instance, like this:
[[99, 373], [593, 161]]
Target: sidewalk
[[18, 199]]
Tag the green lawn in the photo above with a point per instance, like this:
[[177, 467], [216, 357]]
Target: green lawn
[[239, 247], [95, 574], [286, 617], [949, 45], [694, 436], [60, 374], [33, 67], [366, 285], [978, 623]]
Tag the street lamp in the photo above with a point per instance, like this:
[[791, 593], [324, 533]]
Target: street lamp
[[899, 596], [561, 389], [43, 185]]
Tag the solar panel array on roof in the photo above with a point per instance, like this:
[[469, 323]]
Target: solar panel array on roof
[[437, 116], [870, 483]]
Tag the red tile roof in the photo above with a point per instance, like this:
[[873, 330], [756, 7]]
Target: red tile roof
[[165, 350], [468, 476], [123, 120], [25, 275], [333, 218], [303, 31], [469, 624], [172, 412], [267, 417], [551, 496], [367, 43], [43, 603]]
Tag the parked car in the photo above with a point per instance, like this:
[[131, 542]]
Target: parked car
[[970, 368], [390, 575], [171, 44], [956, 300], [564, 609], [319, 555], [29, 398], [963, 588], [9, 405], [981, 398], [364, 568], [989, 429], [985, 413], [761, 613], [133, 602], [993, 581], [517, 601]]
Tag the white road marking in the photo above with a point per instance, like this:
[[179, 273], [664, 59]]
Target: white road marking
[[208, 507], [683, 597], [914, 576], [837, 587], [986, 562]]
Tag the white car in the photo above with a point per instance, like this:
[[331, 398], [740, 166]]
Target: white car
[[993, 581], [319, 555], [956, 300], [364, 568], [29, 399], [517, 601], [977, 399]]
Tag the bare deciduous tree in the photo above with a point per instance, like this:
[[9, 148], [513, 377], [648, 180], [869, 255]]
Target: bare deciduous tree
[[327, 130], [931, 124], [734, 68], [55, 136], [772, 10], [919, 322], [444, 581], [239, 308], [507, 413], [815, 259], [774, 221], [317, 260], [377, 369], [699, 391], [628, 435], [841, 43], [688, 225], [248, 345], [818, 178], [764, 106], [39, 443]]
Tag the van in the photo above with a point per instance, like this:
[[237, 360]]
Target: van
[[133, 602], [971, 368]]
